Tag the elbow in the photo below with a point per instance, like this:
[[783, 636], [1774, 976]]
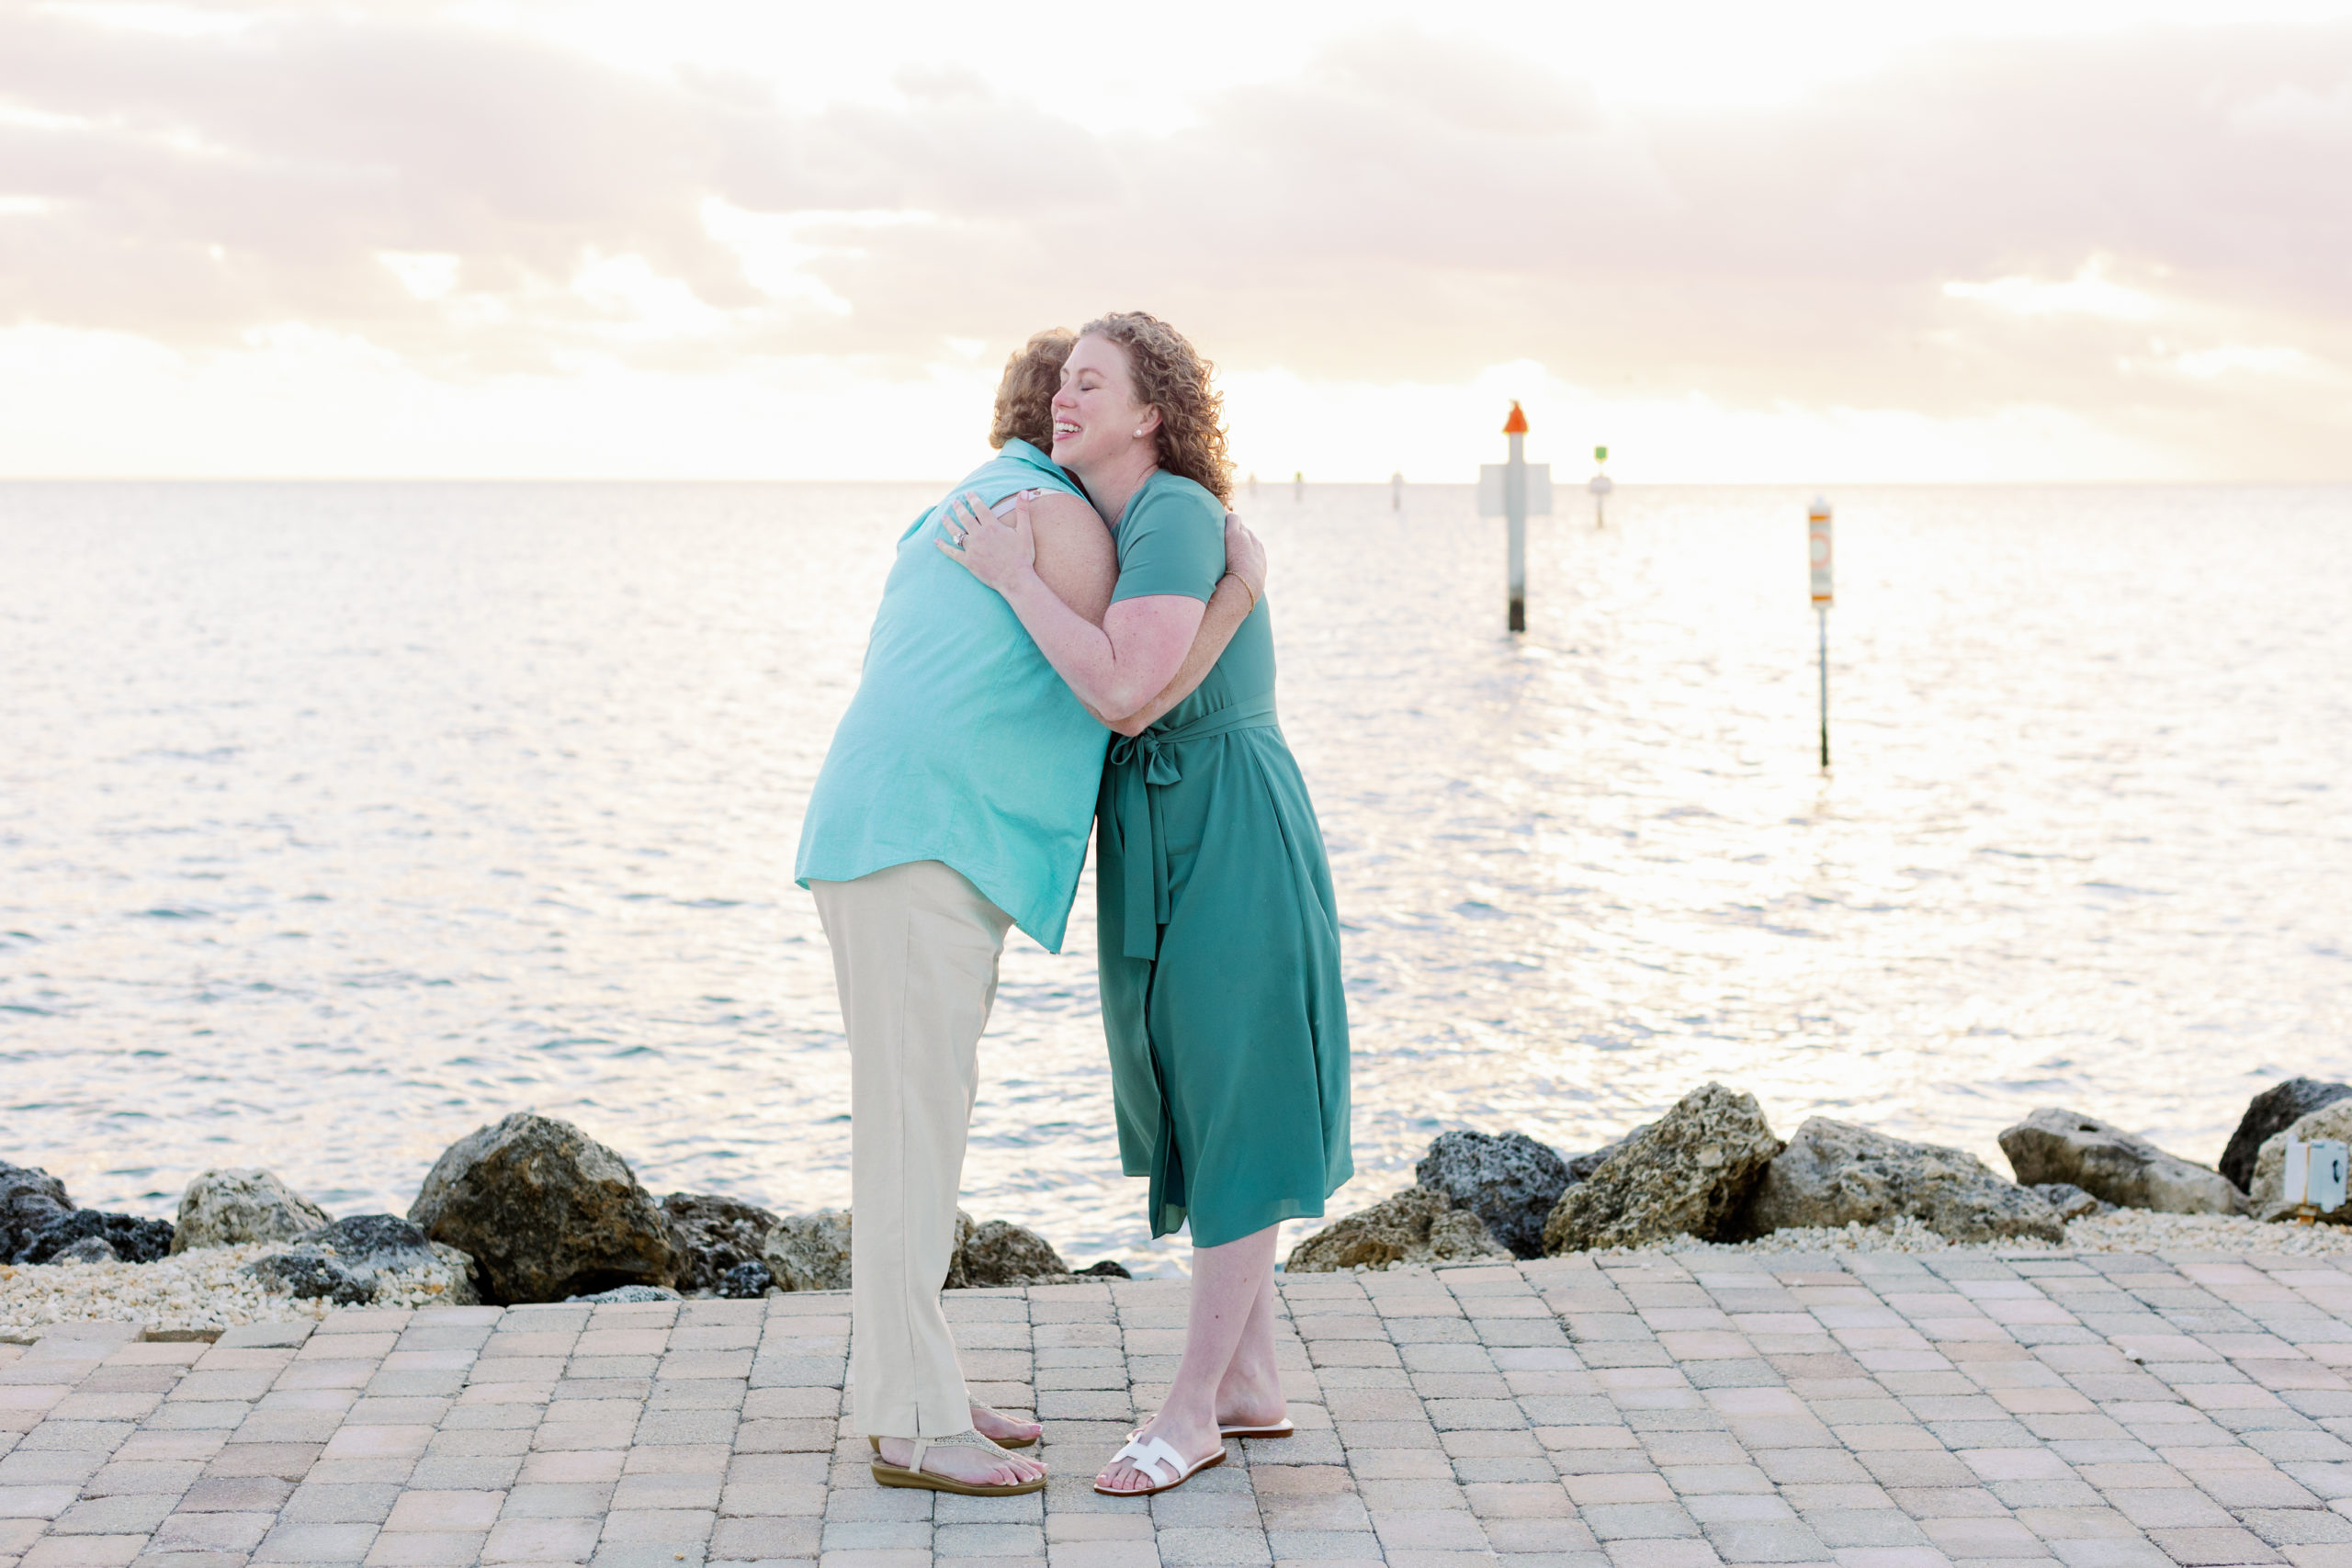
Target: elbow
[[1114, 697]]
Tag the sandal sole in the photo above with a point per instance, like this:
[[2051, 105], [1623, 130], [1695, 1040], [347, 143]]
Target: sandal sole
[[923, 1480]]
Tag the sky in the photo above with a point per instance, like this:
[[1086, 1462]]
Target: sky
[[1803, 243]]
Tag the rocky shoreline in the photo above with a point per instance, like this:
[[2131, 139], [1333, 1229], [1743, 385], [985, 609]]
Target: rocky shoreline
[[533, 1209], [1711, 1172], [529, 1210]]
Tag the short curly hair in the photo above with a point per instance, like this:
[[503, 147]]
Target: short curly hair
[[1024, 399], [1173, 377]]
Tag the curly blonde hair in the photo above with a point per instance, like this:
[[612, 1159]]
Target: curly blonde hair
[[1173, 377], [1024, 399]]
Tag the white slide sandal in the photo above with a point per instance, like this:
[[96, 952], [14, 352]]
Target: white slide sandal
[[1162, 1464]]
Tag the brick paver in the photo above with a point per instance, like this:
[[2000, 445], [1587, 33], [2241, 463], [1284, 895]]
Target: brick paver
[[1633, 1411]]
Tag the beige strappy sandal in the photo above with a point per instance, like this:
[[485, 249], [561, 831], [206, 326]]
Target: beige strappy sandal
[[1014, 1443], [912, 1474]]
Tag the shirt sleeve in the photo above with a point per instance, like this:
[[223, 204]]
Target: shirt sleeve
[[1174, 543], [995, 483], [1003, 487]]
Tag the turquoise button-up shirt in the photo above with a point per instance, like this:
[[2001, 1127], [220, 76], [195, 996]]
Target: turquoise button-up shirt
[[962, 745]]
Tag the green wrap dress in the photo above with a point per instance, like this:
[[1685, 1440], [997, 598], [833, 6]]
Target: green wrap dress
[[1220, 939]]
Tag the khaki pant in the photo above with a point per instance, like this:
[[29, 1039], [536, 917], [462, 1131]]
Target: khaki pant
[[915, 953]]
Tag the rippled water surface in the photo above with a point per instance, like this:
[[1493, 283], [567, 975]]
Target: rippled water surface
[[336, 820]]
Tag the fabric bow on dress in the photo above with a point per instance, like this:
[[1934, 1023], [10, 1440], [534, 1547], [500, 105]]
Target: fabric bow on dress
[[1143, 760]]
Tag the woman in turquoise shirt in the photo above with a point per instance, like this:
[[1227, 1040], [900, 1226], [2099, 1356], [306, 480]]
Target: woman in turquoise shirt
[[1221, 991]]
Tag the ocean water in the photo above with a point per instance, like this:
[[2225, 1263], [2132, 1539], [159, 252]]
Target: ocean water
[[336, 820]]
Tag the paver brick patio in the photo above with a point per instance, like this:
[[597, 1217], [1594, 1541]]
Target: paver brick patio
[[1633, 1411]]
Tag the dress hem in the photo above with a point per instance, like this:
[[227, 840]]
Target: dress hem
[[1264, 1215]]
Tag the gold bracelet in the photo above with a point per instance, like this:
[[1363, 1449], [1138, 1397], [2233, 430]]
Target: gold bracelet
[[1246, 589]]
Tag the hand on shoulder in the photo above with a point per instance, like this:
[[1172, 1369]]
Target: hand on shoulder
[[999, 551]]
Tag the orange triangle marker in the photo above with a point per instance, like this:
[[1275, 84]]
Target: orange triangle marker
[[1516, 424]]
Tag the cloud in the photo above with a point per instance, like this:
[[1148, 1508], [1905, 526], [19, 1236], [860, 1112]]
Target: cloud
[[2151, 232], [201, 187]]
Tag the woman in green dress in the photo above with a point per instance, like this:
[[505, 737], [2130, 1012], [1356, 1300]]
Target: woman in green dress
[[1220, 941]]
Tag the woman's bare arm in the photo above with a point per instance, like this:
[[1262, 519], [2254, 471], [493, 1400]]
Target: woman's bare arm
[[1076, 555], [1238, 594], [1114, 668]]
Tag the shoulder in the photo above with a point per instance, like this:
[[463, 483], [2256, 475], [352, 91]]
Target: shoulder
[[1053, 508], [1171, 540], [1174, 497], [1019, 466], [1069, 522], [1173, 500]]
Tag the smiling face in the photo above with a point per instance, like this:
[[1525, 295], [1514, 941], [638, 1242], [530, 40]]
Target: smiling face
[[1097, 421]]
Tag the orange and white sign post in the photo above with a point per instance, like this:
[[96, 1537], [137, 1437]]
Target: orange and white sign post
[[1824, 595], [1510, 491]]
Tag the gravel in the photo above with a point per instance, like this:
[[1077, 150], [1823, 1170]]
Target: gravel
[[203, 1289], [1902, 1234], [208, 1288], [2139, 1230], [2122, 1230]]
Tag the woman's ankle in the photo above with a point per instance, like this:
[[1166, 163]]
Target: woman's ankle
[[1195, 1409], [1254, 1391]]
